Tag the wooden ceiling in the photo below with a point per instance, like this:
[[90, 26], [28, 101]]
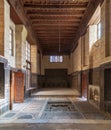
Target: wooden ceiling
[[55, 22], [55, 25]]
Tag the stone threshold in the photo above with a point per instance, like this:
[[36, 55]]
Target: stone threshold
[[61, 121]]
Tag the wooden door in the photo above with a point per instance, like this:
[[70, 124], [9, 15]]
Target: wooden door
[[84, 85], [18, 87], [11, 89], [107, 85]]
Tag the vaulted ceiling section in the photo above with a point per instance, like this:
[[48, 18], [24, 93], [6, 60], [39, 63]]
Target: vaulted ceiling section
[[56, 24]]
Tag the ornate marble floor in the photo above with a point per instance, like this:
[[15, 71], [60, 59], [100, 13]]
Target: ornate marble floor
[[54, 110]]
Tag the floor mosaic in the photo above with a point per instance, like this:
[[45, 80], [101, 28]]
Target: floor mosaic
[[52, 110]]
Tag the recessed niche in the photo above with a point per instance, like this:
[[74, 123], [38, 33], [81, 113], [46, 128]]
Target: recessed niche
[[2, 86]]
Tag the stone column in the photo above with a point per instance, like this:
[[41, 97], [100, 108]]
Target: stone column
[[34, 65], [21, 34]]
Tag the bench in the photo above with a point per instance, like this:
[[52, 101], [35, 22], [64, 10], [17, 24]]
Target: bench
[[31, 89]]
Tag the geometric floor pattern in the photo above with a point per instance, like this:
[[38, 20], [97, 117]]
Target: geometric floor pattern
[[71, 110], [60, 110], [53, 110]]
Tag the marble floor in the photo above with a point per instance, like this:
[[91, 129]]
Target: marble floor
[[54, 110], [70, 112], [55, 92]]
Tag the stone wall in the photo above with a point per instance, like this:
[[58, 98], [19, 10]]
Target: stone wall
[[76, 61], [99, 55], [77, 58], [94, 57], [34, 75], [5, 101], [4, 51], [6, 24]]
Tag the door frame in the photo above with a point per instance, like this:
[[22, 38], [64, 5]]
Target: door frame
[[84, 83]]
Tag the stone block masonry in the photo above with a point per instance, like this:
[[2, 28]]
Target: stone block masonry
[[5, 101], [1, 27]]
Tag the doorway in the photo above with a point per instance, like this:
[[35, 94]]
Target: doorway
[[84, 84], [11, 89], [107, 84]]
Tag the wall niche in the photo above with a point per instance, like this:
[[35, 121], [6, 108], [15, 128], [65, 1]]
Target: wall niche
[[2, 80]]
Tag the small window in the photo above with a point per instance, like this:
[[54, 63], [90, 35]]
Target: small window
[[11, 42], [56, 58], [28, 65], [27, 51], [99, 30]]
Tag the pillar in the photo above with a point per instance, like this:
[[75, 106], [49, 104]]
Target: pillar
[[34, 65], [21, 34]]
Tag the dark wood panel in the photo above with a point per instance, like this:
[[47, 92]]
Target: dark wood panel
[[84, 84], [2, 80], [18, 87], [94, 76], [107, 84], [54, 78], [56, 72]]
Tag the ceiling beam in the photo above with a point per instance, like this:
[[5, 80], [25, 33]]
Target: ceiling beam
[[32, 10], [52, 1], [57, 6], [56, 32], [56, 22], [55, 53], [35, 16], [41, 28], [53, 20], [61, 17], [51, 38], [42, 12], [56, 43]]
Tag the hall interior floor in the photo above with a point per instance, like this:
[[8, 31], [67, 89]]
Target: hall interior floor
[[56, 92], [54, 113]]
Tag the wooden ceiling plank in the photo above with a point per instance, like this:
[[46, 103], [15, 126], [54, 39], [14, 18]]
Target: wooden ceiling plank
[[32, 10], [52, 17], [53, 20], [57, 6], [34, 16], [54, 12], [56, 24], [50, 1]]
